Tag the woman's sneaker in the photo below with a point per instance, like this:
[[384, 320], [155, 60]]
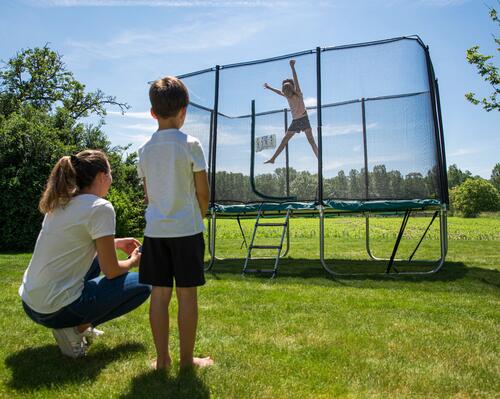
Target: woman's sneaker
[[70, 342], [91, 333]]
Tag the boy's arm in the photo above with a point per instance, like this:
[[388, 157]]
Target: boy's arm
[[266, 86], [202, 190], [146, 200], [295, 78]]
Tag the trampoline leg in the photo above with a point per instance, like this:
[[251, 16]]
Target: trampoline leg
[[212, 230], [398, 240], [322, 241], [287, 241], [367, 239], [443, 235]]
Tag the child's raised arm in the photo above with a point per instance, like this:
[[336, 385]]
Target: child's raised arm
[[266, 86], [295, 78]]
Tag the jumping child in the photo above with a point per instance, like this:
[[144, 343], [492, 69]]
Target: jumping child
[[290, 89]]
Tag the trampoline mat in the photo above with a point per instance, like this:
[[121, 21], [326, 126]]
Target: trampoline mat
[[330, 206]]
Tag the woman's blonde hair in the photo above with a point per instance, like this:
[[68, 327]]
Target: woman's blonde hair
[[69, 176]]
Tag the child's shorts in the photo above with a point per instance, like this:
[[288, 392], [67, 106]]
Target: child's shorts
[[164, 260], [300, 125]]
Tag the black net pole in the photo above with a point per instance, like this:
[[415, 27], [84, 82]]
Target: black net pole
[[287, 171], [320, 124], [437, 139], [441, 136], [252, 149], [210, 138], [365, 147], [214, 138]]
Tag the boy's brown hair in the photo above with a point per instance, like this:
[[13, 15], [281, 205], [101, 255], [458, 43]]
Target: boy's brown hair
[[168, 96]]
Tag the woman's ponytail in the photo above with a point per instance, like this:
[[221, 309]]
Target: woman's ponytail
[[69, 176]]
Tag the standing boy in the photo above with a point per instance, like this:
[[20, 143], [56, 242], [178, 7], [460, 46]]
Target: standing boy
[[173, 169]]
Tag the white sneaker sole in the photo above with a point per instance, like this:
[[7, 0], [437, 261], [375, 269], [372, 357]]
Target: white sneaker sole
[[63, 339]]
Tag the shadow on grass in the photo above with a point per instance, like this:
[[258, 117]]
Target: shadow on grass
[[159, 384], [44, 366], [311, 272]]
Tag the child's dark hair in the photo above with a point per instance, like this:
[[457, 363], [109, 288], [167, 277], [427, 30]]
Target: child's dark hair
[[168, 96], [69, 176], [288, 87]]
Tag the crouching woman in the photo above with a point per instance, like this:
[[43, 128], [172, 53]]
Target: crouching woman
[[63, 288]]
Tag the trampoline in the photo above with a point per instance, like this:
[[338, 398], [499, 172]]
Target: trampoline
[[374, 112]]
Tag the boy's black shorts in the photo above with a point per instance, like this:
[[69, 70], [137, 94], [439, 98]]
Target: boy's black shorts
[[166, 259]]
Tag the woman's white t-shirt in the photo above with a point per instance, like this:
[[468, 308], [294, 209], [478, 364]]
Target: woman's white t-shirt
[[64, 252]]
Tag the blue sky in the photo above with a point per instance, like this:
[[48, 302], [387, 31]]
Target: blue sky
[[119, 45]]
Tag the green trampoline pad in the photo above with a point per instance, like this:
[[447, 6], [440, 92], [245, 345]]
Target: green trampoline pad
[[331, 205]]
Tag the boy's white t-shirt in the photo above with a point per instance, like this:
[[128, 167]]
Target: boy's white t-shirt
[[64, 252], [167, 162]]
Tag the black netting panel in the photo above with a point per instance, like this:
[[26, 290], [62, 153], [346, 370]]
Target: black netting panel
[[343, 152], [401, 147], [372, 71]]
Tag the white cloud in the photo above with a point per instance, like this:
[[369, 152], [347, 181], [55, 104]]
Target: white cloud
[[310, 101], [462, 151], [339, 163], [135, 115], [330, 130], [143, 127], [181, 38]]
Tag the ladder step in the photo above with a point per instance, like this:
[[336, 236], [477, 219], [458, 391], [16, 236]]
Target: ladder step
[[272, 224], [265, 246]]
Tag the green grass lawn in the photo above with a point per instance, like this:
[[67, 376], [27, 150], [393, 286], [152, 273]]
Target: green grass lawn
[[302, 335]]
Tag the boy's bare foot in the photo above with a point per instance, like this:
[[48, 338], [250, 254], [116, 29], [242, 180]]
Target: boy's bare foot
[[270, 161], [155, 365], [200, 362]]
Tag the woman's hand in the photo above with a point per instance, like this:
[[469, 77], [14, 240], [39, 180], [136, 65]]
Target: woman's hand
[[135, 257], [266, 86], [292, 63], [127, 245]]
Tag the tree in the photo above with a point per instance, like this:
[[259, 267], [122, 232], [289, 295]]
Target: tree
[[39, 77], [456, 176], [495, 176], [488, 71], [41, 108], [475, 196]]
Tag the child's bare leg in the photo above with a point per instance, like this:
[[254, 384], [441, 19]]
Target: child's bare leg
[[187, 318], [281, 147], [158, 317], [311, 140]]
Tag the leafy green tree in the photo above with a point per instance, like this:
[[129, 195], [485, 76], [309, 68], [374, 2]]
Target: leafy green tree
[[355, 184], [396, 183], [456, 176], [39, 77], [495, 176], [379, 182], [475, 196], [415, 186], [488, 71], [41, 111]]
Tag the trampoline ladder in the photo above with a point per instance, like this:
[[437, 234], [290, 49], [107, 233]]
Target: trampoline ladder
[[258, 224]]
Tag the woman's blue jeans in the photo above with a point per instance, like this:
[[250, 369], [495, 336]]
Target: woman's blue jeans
[[101, 300]]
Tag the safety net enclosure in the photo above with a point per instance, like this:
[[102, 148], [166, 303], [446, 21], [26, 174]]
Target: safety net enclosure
[[373, 115]]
